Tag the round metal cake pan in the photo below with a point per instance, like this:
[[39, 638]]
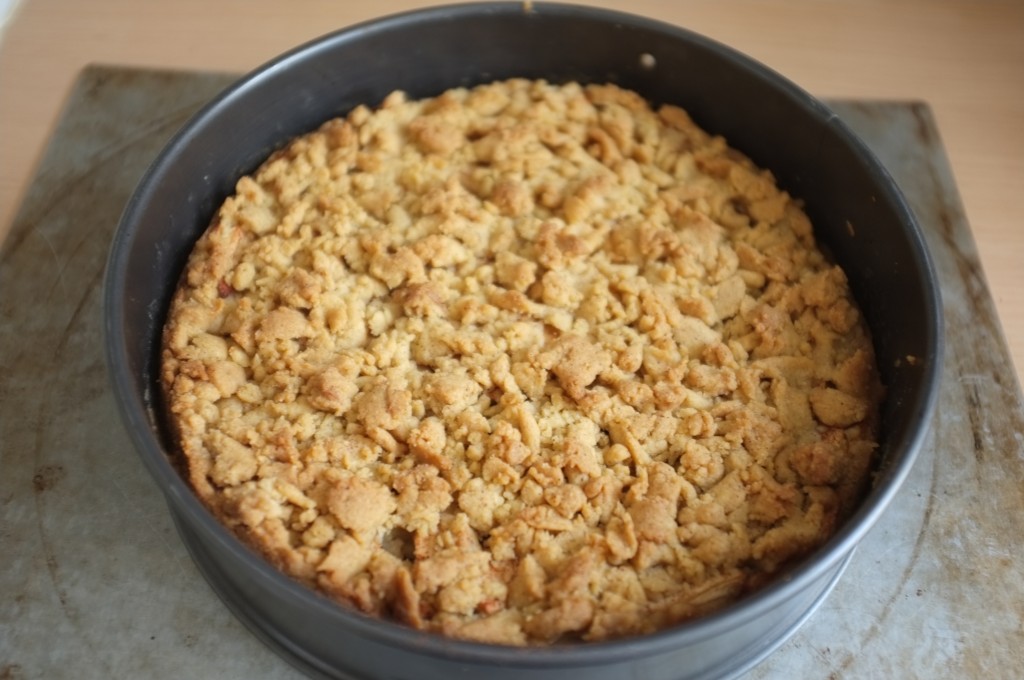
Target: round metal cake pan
[[859, 215]]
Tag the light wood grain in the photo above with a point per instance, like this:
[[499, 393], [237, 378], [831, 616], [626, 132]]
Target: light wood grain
[[965, 58]]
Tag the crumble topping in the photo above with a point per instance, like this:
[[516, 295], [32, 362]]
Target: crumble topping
[[523, 363]]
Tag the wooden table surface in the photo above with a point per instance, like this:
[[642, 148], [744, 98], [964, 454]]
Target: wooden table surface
[[965, 58]]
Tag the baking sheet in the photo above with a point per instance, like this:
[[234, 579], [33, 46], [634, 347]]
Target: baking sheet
[[96, 584]]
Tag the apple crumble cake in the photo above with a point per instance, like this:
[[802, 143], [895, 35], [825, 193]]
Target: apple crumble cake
[[521, 363]]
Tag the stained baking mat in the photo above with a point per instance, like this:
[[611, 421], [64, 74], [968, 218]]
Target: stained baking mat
[[95, 582]]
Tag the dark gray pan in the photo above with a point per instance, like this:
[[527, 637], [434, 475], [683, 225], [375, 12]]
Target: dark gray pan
[[858, 212]]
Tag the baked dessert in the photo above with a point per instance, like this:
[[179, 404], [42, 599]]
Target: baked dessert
[[523, 363]]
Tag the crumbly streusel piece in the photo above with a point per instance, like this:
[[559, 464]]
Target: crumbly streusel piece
[[521, 363]]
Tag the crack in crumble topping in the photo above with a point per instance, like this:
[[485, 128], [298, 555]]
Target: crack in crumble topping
[[523, 363]]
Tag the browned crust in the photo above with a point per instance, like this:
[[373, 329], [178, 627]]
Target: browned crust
[[520, 364]]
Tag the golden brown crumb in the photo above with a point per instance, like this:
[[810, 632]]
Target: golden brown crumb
[[519, 364]]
